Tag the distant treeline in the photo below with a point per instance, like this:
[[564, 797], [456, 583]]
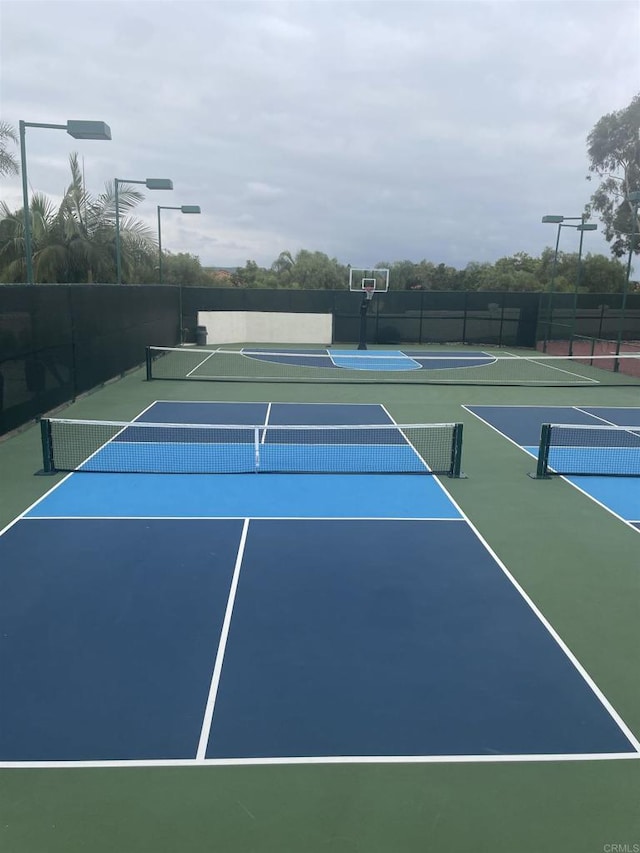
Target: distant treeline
[[316, 271]]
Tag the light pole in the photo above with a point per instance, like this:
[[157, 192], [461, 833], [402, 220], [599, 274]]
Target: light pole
[[77, 129], [634, 200], [150, 184], [555, 220], [185, 208], [584, 226], [560, 222]]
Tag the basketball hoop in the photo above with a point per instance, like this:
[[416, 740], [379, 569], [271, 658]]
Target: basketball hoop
[[369, 292]]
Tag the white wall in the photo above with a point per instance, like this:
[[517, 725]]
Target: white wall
[[269, 327]]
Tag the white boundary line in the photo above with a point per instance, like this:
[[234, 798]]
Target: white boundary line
[[328, 759], [586, 380], [581, 670], [384, 759], [409, 443], [533, 456], [55, 486], [627, 427], [240, 517], [222, 645], [492, 359], [213, 352]]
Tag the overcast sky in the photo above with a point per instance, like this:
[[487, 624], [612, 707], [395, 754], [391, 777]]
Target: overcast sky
[[367, 130]]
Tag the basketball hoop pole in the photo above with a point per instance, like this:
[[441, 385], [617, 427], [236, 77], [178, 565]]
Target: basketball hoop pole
[[364, 307]]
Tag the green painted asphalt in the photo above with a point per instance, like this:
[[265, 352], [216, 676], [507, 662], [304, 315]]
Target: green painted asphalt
[[579, 565]]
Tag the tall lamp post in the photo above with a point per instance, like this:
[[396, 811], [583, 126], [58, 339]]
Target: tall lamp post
[[584, 226], [634, 200], [150, 184], [185, 208], [77, 129], [560, 222]]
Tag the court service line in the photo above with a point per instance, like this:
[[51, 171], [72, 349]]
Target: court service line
[[495, 758], [224, 634], [200, 363], [552, 631], [559, 476], [266, 421]]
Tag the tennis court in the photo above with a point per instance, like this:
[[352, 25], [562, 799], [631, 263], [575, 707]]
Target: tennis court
[[288, 616], [313, 658], [598, 450]]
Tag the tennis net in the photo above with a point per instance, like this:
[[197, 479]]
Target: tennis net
[[140, 447], [408, 366], [583, 450]]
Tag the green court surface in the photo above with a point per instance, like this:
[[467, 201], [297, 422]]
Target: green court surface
[[578, 563]]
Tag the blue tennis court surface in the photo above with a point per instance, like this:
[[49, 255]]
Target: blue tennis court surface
[[287, 617], [620, 495], [376, 360], [387, 360]]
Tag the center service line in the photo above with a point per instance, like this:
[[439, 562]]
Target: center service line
[[217, 669]]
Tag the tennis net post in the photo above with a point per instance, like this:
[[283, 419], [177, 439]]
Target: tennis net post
[[542, 468], [456, 452], [48, 466], [583, 450]]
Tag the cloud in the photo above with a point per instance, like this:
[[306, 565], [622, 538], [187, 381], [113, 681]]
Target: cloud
[[368, 130]]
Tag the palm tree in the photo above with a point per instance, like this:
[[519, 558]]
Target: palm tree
[[8, 163], [76, 243], [90, 230]]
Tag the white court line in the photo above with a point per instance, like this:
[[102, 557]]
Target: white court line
[[585, 379], [313, 759], [213, 352], [371, 355], [545, 622], [631, 429], [240, 517], [538, 360], [217, 669], [56, 486], [266, 421], [422, 461], [490, 360], [558, 476]]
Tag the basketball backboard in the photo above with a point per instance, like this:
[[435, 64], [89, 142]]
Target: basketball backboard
[[364, 279]]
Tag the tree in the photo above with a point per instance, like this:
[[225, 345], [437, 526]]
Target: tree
[[8, 162], [614, 156], [76, 243], [183, 268], [602, 275], [283, 268], [316, 271]]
